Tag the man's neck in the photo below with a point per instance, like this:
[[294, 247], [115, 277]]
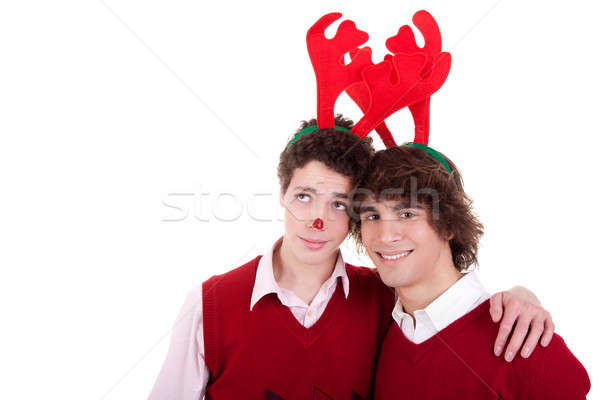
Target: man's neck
[[421, 294], [303, 279]]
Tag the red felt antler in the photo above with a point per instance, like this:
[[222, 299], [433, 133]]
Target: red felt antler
[[404, 42], [407, 78], [327, 57], [359, 92]]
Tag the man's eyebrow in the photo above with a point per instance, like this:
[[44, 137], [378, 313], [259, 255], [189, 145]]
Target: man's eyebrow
[[314, 191], [365, 209], [402, 206], [340, 195], [306, 189]]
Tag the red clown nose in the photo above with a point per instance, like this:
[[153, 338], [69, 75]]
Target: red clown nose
[[318, 224]]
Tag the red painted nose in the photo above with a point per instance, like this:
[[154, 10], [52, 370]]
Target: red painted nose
[[318, 224]]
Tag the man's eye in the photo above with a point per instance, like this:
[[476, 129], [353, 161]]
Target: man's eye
[[338, 205], [407, 214], [303, 197], [371, 217]]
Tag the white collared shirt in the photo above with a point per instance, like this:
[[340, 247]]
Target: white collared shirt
[[184, 374], [460, 298], [306, 314]]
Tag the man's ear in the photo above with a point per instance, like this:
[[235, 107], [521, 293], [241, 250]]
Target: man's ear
[[281, 196], [450, 236]]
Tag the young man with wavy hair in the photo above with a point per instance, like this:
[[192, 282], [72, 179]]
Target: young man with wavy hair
[[417, 225]]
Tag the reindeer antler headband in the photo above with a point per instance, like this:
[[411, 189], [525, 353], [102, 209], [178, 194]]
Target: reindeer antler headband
[[406, 78]]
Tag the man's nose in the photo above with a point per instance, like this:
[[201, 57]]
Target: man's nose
[[319, 210], [390, 231]]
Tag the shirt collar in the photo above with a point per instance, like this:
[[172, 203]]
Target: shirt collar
[[265, 282], [455, 302]]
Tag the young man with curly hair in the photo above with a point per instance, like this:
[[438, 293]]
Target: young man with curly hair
[[296, 322], [417, 225]]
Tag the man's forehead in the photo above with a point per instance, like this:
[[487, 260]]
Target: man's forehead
[[323, 182], [318, 175], [323, 177]]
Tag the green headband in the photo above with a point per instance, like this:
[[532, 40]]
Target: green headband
[[313, 128], [433, 153]]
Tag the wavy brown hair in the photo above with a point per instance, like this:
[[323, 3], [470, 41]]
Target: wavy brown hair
[[412, 175], [343, 152]]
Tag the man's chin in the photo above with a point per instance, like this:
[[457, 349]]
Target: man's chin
[[316, 256], [392, 278]]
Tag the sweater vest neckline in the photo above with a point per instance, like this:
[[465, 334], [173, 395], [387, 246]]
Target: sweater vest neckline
[[415, 352], [307, 336]]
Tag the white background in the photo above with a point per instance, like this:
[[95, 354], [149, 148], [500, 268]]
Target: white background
[[118, 117]]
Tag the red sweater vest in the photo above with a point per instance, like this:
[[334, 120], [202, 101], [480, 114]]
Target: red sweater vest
[[458, 363], [267, 354]]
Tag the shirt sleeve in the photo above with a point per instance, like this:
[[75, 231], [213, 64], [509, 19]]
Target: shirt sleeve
[[184, 374], [560, 374]]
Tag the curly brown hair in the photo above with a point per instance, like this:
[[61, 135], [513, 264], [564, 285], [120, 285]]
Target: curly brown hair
[[343, 152], [412, 175]]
